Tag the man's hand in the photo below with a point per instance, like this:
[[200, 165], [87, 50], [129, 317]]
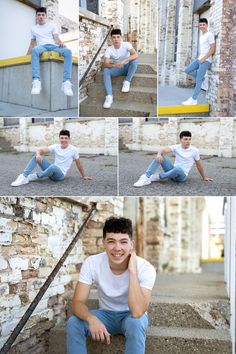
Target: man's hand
[[39, 158], [119, 64], [202, 60], [87, 178], [61, 45], [98, 330], [132, 265], [159, 158], [207, 179]]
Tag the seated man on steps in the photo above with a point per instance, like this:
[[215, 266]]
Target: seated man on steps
[[45, 38], [185, 156], [65, 154], [120, 59], [124, 283]]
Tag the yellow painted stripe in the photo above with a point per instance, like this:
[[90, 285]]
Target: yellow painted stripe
[[199, 108], [212, 260], [27, 58]]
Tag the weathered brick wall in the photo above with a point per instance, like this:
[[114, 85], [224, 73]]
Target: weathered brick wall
[[36, 232], [214, 136], [113, 10], [95, 136], [60, 20], [92, 31]]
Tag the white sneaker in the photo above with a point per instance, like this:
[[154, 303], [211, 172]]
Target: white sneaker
[[33, 177], [36, 87], [108, 101], [21, 179], [155, 178], [143, 181], [126, 86], [67, 88], [190, 102]]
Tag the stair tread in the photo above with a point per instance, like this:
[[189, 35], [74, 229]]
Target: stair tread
[[199, 333], [146, 89], [121, 105], [141, 75]]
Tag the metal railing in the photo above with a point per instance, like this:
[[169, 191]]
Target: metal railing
[[94, 58], [43, 289]]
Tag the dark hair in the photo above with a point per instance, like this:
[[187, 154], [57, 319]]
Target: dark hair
[[116, 31], [203, 20], [185, 133], [64, 132], [41, 9], [118, 225]]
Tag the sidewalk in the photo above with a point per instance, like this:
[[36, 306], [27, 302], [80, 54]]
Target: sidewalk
[[134, 163], [15, 110], [173, 96], [103, 169]]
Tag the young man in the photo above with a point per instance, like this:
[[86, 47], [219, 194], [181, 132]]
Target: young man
[[198, 68], [124, 284], [64, 153], [185, 156], [120, 59], [45, 38]]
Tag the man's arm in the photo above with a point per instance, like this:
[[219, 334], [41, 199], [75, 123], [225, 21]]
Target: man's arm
[[79, 309], [42, 150], [58, 41], [210, 53], [201, 171], [161, 152], [120, 64], [138, 298], [31, 46], [81, 169]]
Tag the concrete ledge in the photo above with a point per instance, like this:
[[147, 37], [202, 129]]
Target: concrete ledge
[[16, 83], [26, 59], [171, 110]]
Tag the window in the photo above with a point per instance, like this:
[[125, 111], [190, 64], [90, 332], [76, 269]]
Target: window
[[90, 5]]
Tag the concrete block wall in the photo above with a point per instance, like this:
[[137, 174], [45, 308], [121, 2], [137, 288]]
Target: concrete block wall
[[214, 136], [96, 136], [16, 83]]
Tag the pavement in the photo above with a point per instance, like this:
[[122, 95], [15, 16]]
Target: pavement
[[16, 110], [103, 169], [174, 96], [133, 164]]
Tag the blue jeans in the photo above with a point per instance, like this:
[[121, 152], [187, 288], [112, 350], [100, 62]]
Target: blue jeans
[[48, 170], [128, 70], [174, 173], [134, 330], [65, 52], [197, 71]]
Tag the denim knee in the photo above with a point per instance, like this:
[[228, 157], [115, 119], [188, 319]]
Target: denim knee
[[67, 52], [134, 61], [74, 324], [136, 327], [35, 51], [106, 71]]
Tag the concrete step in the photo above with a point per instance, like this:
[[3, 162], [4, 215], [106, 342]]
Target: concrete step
[[136, 93], [147, 80], [160, 340], [146, 69], [93, 107], [5, 146]]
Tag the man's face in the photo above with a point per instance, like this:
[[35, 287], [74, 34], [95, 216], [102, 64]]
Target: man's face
[[64, 141], [41, 18], [203, 27], [116, 39], [118, 247], [185, 141]]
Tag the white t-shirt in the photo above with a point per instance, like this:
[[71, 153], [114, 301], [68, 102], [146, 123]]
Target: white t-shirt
[[185, 158], [44, 33], [112, 288], [206, 39], [120, 53], [64, 157]]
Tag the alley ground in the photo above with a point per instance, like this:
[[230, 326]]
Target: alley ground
[[103, 169], [134, 163]]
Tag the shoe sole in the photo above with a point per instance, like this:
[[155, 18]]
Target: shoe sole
[[18, 185], [142, 185]]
